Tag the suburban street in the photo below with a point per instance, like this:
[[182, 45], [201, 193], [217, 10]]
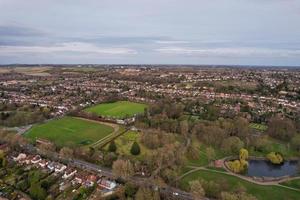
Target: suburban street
[[170, 191]]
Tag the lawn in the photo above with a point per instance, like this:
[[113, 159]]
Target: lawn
[[119, 109], [277, 146], [125, 142], [293, 183], [261, 192], [69, 131]]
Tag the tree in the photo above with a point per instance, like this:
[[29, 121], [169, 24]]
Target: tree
[[212, 135], [296, 142], [275, 158], [135, 149], [283, 129], [211, 188], [146, 194], [184, 128], [197, 190], [193, 152], [2, 159], [210, 154], [243, 154], [112, 146], [66, 152], [122, 168], [238, 166], [241, 127], [237, 196], [37, 192], [109, 158], [232, 145], [130, 190]]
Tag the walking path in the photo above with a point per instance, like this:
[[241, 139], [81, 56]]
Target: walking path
[[249, 179]]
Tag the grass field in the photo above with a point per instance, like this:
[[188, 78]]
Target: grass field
[[276, 146], [70, 131], [125, 142], [119, 109], [259, 191], [293, 183], [259, 127]]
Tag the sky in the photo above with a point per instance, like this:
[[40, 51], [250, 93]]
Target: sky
[[229, 32]]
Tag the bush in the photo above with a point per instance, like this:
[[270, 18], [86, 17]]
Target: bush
[[130, 190], [275, 158], [135, 149], [112, 146]]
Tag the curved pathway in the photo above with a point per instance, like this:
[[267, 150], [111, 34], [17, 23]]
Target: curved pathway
[[271, 183], [249, 179]]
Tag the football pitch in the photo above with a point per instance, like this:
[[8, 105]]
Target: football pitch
[[69, 131], [119, 109]]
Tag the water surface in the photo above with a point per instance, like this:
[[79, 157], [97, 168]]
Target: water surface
[[264, 168]]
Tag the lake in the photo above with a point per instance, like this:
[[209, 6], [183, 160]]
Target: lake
[[260, 168]]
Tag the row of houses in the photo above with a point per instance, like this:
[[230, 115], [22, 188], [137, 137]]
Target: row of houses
[[67, 174]]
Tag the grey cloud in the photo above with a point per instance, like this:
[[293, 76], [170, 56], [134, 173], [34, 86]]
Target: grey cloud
[[19, 31]]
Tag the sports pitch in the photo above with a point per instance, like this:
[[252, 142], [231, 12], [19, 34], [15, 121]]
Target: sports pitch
[[69, 131], [119, 109]]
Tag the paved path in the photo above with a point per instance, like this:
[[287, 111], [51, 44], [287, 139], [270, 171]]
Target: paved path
[[270, 183]]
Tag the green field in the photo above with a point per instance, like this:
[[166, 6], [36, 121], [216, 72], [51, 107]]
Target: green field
[[293, 183], [259, 191], [125, 142], [70, 131], [119, 109]]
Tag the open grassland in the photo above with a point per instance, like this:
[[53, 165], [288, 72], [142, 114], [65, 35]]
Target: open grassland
[[292, 183], [69, 131], [259, 127], [33, 71], [119, 109], [259, 191]]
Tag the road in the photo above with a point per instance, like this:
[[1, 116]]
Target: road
[[167, 190]]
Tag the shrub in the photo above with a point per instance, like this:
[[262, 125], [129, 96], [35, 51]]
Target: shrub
[[112, 146], [135, 149]]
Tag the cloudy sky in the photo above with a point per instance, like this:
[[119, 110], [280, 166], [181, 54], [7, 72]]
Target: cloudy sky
[[248, 32]]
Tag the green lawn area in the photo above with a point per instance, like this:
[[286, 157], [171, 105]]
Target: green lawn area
[[293, 183], [125, 142], [259, 127], [277, 146], [119, 109], [261, 192], [69, 131]]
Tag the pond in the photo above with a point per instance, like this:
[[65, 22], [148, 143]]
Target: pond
[[260, 168]]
